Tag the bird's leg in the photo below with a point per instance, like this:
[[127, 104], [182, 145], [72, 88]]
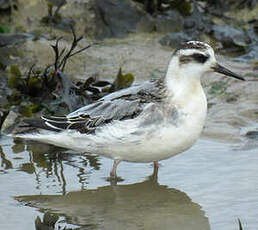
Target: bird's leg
[[155, 166], [113, 171], [155, 169], [154, 176]]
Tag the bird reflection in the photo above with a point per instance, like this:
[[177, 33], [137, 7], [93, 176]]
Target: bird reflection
[[145, 205], [46, 163]]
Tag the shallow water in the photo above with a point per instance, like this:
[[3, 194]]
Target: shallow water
[[207, 187]]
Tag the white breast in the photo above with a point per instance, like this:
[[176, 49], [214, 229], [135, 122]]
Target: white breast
[[124, 140]]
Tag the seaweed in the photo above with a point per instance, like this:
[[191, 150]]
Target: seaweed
[[51, 90]]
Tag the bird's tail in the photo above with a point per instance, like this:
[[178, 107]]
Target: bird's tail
[[54, 130], [60, 139], [37, 130]]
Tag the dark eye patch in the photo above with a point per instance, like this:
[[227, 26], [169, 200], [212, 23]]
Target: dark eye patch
[[197, 57], [185, 59], [201, 58]]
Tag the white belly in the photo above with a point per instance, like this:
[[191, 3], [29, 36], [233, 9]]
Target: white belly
[[153, 144], [163, 143]]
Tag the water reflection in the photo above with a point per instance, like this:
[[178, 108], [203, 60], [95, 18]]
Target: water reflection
[[145, 205], [46, 163], [221, 179], [5, 163]]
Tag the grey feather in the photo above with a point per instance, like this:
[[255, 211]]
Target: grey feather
[[124, 104]]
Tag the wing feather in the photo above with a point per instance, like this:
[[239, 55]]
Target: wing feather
[[120, 105]]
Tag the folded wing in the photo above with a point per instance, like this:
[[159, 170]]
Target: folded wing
[[120, 105]]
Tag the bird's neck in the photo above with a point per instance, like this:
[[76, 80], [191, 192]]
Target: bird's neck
[[182, 85]]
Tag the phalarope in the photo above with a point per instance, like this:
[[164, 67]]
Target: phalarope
[[144, 123]]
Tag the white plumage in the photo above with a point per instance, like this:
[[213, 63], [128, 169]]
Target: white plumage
[[149, 122]]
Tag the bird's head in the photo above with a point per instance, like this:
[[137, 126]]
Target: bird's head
[[194, 59]]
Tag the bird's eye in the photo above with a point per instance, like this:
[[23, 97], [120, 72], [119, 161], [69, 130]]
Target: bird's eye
[[201, 58]]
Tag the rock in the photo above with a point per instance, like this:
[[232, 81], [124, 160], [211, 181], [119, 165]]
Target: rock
[[3, 114], [197, 22], [146, 24], [171, 22], [252, 135], [175, 39], [115, 18], [9, 122], [6, 54], [194, 26], [6, 4], [168, 22], [251, 51], [230, 36], [14, 38], [251, 54]]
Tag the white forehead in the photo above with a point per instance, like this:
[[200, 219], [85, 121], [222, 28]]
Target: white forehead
[[192, 47], [188, 52]]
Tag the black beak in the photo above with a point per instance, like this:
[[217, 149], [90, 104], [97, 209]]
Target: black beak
[[220, 69]]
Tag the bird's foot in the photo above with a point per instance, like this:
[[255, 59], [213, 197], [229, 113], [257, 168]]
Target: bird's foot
[[114, 179]]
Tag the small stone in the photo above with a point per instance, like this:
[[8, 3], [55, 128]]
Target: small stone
[[230, 36], [13, 39], [174, 39], [252, 135], [9, 122], [115, 18], [251, 54]]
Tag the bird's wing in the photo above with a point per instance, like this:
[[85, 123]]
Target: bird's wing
[[120, 105]]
